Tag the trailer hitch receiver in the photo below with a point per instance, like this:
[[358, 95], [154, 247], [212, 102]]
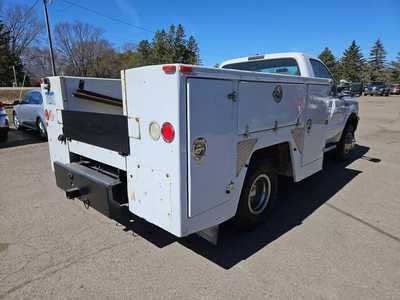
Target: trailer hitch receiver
[[73, 193]]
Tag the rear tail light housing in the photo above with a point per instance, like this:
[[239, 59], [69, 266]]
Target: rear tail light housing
[[168, 132], [46, 114], [185, 69], [169, 68], [173, 68]]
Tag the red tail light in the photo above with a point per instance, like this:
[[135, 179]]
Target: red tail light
[[46, 114], [1, 105], [169, 68], [168, 132], [185, 69]]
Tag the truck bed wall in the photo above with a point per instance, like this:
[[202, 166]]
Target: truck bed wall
[[60, 97]]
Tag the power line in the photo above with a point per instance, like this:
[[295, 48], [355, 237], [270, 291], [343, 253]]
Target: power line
[[28, 11], [31, 8], [106, 16]]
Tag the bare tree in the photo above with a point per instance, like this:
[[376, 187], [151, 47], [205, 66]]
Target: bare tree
[[38, 64], [24, 26], [85, 51]]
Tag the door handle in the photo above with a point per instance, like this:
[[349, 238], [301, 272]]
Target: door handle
[[308, 125]]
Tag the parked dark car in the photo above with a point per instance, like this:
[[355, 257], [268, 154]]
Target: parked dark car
[[356, 88], [350, 88], [395, 89], [379, 88]]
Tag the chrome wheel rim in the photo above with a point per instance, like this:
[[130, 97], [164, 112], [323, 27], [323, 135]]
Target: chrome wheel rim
[[42, 129], [349, 142], [16, 121], [259, 195]]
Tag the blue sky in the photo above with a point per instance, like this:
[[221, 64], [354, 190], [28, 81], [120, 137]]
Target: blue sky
[[227, 29]]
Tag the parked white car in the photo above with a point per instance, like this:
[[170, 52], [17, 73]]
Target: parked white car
[[3, 123], [29, 113]]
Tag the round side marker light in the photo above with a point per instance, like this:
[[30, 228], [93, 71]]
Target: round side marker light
[[155, 131]]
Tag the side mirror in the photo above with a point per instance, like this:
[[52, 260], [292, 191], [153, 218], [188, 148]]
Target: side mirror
[[16, 102]]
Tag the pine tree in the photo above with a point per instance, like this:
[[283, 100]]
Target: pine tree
[[169, 47], [8, 60], [329, 60], [351, 64], [377, 60], [179, 44], [145, 53], [162, 52], [193, 52]]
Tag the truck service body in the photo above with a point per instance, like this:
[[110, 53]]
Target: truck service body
[[175, 143]]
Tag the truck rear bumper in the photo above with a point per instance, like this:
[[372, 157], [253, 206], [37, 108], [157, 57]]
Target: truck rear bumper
[[103, 192]]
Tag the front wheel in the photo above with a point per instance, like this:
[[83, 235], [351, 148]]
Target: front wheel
[[258, 196], [347, 143], [17, 124]]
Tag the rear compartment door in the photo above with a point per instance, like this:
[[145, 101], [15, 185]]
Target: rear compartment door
[[210, 112]]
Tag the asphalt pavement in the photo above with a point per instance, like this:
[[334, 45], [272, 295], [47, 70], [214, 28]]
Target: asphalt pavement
[[335, 235]]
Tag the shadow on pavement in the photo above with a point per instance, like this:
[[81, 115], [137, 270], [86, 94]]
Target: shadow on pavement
[[21, 137], [297, 201]]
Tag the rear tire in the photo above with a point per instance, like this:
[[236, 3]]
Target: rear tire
[[346, 145], [42, 128], [258, 196]]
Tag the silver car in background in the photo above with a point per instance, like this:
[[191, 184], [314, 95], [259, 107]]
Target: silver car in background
[[3, 123], [29, 113]]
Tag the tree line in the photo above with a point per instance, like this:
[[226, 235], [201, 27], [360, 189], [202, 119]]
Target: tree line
[[352, 66], [80, 49]]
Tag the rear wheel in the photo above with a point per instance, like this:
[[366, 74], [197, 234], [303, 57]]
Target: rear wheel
[[347, 143], [17, 124], [258, 196], [42, 128]]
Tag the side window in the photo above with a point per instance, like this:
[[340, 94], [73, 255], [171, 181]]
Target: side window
[[26, 99], [287, 66], [320, 70], [36, 98]]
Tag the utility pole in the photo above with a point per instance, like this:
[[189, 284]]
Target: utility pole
[[15, 76], [53, 67]]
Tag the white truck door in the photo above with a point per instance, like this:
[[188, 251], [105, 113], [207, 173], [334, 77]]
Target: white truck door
[[210, 143], [337, 116], [315, 123]]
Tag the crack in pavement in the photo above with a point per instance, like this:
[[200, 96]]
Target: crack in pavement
[[375, 228]]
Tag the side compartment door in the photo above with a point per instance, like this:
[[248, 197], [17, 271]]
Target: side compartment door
[[316, 120], [211, 163]]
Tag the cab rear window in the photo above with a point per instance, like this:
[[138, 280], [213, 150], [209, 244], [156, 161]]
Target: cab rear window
[[287, 66]]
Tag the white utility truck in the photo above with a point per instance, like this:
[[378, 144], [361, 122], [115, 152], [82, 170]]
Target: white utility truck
[[189, 147]]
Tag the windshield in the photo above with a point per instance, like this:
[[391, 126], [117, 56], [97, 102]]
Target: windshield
[[281, 65], [377, 83]]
